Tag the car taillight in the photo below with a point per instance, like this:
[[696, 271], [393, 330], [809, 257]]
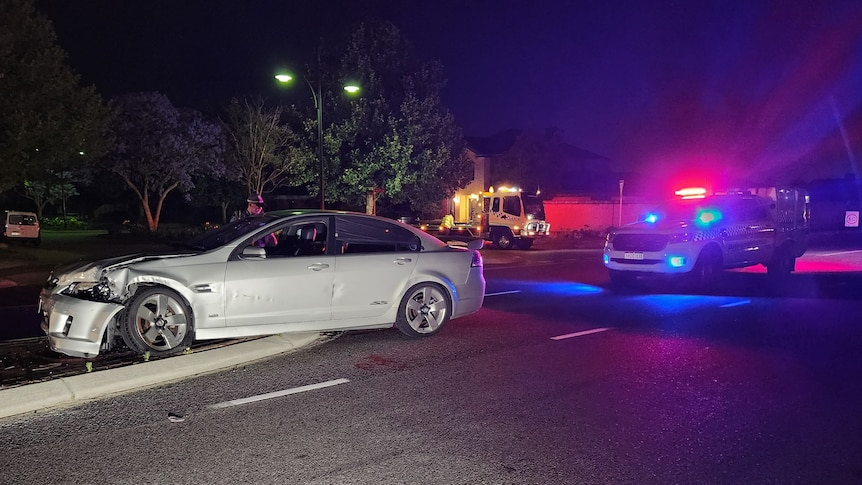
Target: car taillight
[[477, 260]]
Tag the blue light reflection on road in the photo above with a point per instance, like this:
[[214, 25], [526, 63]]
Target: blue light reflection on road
[[556, 288]]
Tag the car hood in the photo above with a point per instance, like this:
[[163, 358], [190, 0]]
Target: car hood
[[656, 227], [93, 270]]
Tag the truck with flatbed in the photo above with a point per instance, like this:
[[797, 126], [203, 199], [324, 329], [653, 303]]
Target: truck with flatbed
[[506, 217]]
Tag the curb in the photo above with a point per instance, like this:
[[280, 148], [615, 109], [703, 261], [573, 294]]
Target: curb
[[80, 388]]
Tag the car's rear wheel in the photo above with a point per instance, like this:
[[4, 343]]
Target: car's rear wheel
[[424, 310], [782, 263], [158, 321]]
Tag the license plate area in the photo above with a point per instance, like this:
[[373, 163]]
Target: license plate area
[[636, 256]]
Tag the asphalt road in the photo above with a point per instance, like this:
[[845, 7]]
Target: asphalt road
[[556, 380]]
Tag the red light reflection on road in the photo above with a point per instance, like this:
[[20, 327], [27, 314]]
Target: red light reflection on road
[[823, 262]]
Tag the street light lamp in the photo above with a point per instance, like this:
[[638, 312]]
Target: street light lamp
[[317, 95]]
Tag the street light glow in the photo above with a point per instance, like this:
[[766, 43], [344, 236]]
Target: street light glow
[[317, 95]]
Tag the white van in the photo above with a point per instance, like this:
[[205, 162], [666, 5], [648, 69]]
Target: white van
[[22, 226]]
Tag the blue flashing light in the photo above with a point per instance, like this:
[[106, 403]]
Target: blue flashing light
[[606, 258], [651, 218], [676, 261]]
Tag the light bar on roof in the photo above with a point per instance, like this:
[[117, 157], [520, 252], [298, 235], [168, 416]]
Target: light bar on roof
[[691, 193]]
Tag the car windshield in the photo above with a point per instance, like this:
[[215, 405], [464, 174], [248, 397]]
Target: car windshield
[[689, 210], [534, 207], [229, 232]]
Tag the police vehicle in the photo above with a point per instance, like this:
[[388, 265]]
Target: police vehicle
[[698, 235]]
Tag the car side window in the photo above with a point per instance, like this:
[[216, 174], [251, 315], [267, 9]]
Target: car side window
[[365, 235], [747, 210], [306, 238]]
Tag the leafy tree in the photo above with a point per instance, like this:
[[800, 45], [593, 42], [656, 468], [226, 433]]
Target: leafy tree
[[264, 152], [535, 161], [223, 192], [47, 120], [159, 148], [398, 136], [46, 191]]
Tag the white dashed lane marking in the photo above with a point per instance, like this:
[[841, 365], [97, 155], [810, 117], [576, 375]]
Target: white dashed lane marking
[[271, 395], [581, 334]]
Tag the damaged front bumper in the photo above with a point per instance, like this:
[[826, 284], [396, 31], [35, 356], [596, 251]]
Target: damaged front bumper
[[74, 326]]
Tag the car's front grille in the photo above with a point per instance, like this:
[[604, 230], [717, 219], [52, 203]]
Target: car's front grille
[[639, 242]]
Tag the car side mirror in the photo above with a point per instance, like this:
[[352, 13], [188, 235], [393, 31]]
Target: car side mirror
[[475, 244], [254, 252]]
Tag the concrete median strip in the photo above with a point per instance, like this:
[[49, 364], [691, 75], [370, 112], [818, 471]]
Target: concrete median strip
[[83, 387]]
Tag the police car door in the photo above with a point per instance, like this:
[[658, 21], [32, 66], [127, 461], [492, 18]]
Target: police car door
[[743, 232], [759, 231]]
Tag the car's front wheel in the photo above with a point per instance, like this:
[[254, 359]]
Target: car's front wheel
[[707, 270], [423, 310], [158, 321], [525, 243], [503, 239]]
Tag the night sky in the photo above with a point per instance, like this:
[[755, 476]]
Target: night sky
[[750, 88]]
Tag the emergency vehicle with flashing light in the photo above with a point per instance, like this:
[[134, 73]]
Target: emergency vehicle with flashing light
[[698, 235], [505, 216]]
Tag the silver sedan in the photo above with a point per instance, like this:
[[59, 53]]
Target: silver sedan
[[289, 271]]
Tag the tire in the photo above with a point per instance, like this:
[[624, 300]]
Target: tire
[[706, 270], [782, 263], [159, 321], [423, 311], [504, 240], [525, 243]]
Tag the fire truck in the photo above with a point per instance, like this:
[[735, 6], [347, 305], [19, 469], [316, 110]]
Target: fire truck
[[504, 216], [698, 235]]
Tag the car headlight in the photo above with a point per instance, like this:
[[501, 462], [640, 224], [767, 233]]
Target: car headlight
[[88, 290]]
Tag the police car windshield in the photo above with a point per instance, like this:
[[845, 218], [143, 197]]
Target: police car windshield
[[691, 209]]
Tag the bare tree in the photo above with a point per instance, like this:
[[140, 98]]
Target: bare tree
[[265, 151]]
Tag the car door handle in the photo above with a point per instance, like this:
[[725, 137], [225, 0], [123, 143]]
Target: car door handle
[[403, 261], [318, 266]]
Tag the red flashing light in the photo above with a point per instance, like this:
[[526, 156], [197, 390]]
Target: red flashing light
[[691, 193]]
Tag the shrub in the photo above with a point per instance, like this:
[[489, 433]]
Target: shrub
[[58, 223]]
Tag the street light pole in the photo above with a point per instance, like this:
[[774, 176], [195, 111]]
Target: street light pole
[[318, 100], [622, 182], [317, 94]]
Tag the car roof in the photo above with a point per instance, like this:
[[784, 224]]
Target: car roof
[[285, 213]]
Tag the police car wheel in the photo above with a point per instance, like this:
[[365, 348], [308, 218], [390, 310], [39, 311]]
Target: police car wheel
[[706, 270], [782, 263], [620, 279]]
